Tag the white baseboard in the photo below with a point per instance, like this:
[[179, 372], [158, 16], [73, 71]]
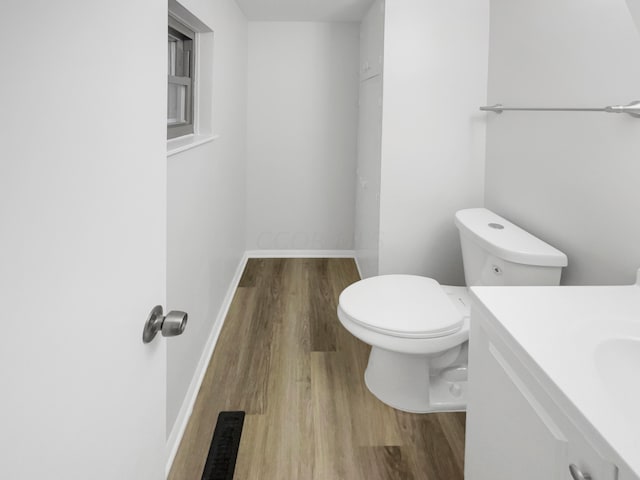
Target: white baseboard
[[300, 253], [180, 425]]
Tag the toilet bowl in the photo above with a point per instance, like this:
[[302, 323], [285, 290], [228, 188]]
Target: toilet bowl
[[419, 330]]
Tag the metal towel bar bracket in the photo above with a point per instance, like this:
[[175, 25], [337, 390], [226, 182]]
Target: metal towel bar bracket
[[632, 109]]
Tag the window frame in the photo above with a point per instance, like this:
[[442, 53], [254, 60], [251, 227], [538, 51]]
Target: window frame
[[177, 29]]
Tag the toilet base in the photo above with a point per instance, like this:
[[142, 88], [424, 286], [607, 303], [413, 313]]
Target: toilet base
[[416, 383]]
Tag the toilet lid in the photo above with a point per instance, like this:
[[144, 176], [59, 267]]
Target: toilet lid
[[401, 305]]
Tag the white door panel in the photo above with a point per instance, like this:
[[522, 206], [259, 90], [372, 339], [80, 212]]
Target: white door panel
[[82, 238], [367, 220]]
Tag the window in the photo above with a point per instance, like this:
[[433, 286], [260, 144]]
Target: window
[[181, 68]]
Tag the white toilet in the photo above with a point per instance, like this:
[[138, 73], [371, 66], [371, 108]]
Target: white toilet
[[418, 329]]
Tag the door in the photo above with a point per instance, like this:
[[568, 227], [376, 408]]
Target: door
[[82, 238]]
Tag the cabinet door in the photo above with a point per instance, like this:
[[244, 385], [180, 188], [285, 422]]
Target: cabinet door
[[367, 219], [372, 41], [510, 436], [516, 431]]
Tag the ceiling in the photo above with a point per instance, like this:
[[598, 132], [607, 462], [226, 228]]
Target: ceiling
[[305, 10]]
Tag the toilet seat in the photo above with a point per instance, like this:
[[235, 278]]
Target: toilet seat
[[406, 306]]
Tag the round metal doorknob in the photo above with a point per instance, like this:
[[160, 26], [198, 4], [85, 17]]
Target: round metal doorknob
[[170, 325], [577, 474], [174, 323]]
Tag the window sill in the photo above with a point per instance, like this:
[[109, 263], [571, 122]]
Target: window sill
[[181, 144]]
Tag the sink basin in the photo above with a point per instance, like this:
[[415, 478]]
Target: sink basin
[[617, 362]]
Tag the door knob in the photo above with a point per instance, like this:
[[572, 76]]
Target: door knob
[[171, 324]]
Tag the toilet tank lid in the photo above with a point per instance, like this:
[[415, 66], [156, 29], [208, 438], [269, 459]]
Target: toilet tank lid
[[505, 240]]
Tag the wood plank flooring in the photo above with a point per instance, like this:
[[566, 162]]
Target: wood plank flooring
[[285, 359]]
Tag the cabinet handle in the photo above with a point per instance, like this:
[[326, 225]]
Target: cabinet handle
[[577, 474]]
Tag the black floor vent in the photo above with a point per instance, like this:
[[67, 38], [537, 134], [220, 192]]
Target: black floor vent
[[221, 461]]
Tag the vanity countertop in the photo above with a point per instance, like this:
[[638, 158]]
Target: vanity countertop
[[586, 341]]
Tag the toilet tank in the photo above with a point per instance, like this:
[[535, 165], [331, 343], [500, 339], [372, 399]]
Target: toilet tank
[[497, 252]]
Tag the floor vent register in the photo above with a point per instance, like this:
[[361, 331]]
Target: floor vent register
[[221, 461]]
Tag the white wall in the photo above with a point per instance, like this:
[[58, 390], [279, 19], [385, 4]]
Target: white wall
[[302, 127], [206, 205], [435, 70], [570, 178]]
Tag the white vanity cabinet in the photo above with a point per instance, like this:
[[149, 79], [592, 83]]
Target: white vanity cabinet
[[518, 426]]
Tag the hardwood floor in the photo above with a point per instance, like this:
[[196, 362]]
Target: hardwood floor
[[285, 359]]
